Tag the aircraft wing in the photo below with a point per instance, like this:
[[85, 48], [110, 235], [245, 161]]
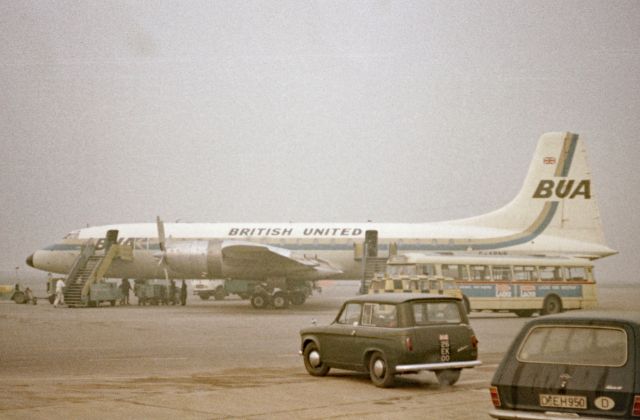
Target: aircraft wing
[[252, 260]]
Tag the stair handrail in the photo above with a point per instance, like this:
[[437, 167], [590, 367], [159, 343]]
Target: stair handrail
[[86, 250]]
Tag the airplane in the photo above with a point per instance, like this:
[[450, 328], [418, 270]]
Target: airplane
[[554, 213]]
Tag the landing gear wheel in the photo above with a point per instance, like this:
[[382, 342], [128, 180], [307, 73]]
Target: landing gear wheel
[[448, 377], [552, 305], [280, 300], [380, 372], [313, 361], [260, 300], [297, 298]]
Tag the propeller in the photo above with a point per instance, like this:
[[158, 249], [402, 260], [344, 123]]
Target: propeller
[[163, 248]]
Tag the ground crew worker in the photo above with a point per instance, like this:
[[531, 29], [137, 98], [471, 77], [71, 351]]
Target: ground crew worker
[[125, 287], [172, 292], [183, 293], [59, 293]]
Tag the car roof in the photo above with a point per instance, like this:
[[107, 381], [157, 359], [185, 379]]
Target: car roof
[[593, 316], [399, 297]]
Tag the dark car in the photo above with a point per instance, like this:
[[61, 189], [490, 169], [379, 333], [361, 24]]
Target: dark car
[[391, 334], [576, 365]]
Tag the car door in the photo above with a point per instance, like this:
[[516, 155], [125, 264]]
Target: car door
[[338, 342]]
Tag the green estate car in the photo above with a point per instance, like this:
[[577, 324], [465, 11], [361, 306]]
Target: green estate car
[[391, 334]]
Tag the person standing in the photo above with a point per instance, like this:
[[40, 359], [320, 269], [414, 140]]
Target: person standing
[[59, 293], [125, 287], [183, 293], [172, 293]]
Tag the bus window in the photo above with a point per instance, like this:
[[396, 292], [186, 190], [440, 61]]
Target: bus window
[[457, 271], [575, 273], [480, 273], [428, 269], [397, 284], [524, 273], [501, 273], [550, 274]]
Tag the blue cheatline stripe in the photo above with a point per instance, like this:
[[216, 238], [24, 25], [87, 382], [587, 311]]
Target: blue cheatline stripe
[[63, 247], [572, 148]]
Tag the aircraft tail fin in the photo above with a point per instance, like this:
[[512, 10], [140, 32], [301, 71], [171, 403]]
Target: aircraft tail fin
[[557, 195]]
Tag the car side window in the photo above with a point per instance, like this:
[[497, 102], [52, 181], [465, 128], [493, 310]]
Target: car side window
[[379, 315], [350, 314]]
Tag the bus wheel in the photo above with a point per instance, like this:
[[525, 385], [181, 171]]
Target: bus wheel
[[552, 305], [524, 313]]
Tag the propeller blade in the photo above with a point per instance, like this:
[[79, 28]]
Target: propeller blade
[[161, 237]]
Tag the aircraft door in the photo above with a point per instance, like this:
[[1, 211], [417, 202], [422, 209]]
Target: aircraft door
[[371, 243]]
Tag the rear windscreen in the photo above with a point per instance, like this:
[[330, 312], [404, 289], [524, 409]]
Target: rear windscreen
[[575, 345], [425, 313]]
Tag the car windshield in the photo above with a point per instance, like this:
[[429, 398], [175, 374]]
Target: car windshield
[[425, 313], [575, 345], [350, 314]]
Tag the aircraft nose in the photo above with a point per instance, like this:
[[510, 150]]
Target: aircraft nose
[[30, 260]]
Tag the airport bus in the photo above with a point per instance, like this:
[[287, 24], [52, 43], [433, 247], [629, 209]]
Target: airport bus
[[519, 284]]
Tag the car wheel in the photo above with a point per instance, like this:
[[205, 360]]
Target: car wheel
[[204, 296], [380, 372], [313, 361], [447, 377], [260, 300], [280, 300], [552, 305]]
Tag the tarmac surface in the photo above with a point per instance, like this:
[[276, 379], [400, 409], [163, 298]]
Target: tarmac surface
[[213, 360]]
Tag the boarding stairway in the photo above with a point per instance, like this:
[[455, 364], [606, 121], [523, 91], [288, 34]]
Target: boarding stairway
[[372, 266], [89, 268]]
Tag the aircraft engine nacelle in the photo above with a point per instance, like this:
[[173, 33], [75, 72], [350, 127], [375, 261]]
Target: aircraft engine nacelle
[[194, 258]]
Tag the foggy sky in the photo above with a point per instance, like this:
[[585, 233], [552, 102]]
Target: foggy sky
[[308, 111]]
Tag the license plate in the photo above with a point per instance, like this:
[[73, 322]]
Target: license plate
[[563, 401]]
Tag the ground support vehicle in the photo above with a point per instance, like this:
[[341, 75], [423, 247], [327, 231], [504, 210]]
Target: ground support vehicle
[[151, 293], [389, 334], [583, 365], [206, 289], [276, 293], [104, 292], [437, 285], [18, 296]]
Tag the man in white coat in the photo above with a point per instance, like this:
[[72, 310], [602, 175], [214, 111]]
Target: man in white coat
[[59, 293]]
